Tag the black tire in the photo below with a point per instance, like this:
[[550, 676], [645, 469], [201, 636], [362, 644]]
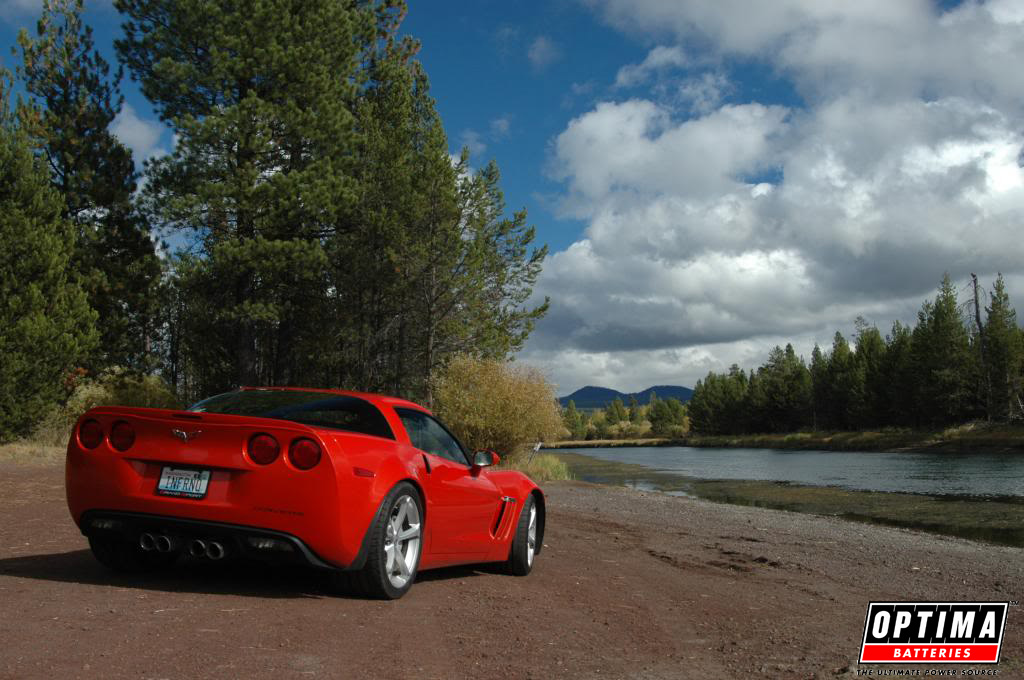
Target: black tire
[[373, 580], [520, 558], [126, 557]]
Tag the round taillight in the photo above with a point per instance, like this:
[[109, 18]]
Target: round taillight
[[263, 449], [122, 436], [304, 453], [90, 434]]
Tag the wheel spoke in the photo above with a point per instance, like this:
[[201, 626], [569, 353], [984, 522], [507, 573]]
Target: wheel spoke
[[390, 551], [412, 532], [403, 568], [403, 511]]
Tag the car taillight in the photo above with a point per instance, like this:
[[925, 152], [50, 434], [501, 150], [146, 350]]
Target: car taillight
[[90, 434], [122, 436], [304, 453], [263, 449]]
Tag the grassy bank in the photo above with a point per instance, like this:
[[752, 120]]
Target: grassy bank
[[964, 438], [32, 452], [542, 467]]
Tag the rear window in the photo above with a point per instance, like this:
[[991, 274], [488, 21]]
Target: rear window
[[319, 409]]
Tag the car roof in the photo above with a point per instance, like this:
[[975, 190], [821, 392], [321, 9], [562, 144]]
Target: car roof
[[374, 398]]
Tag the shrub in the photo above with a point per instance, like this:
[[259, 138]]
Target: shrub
[[543, 467], [499, 405], [116, 388]]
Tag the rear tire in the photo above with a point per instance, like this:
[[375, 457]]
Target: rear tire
[[126, 557], [394, 548], [524, 545]]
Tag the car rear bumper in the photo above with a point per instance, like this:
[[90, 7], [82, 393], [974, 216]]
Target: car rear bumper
[[247, 542]]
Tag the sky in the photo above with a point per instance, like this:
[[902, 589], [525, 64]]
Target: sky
[[715, 177]]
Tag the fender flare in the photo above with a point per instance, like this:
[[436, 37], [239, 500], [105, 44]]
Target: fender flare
[[364, 547]]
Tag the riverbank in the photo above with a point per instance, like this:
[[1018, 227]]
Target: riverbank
[[966, 438], [629, 585]]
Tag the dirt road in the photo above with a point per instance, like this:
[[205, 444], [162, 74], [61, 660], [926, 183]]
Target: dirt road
[[629, 585]]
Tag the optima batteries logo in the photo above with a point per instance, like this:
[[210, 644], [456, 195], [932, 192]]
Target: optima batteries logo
[[933, 632]]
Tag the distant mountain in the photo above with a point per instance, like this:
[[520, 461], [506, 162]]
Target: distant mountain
[[591, 397]]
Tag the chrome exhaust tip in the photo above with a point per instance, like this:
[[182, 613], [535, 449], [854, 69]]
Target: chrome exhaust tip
[[215, 551], [197, 548], [164, 543], [147, 542]]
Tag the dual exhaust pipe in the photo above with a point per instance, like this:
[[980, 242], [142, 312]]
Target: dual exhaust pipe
[[212, 550]]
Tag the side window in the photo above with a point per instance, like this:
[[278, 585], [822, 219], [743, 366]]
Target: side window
[[428, 435]]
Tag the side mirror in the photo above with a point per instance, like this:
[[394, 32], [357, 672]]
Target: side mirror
[[485, 458]]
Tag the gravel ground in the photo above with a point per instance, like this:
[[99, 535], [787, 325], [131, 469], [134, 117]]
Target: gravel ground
[[629, 585]]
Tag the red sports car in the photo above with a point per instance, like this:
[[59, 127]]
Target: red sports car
[[372, 488]]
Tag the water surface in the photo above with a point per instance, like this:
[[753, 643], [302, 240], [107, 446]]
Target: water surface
[[960, 474]]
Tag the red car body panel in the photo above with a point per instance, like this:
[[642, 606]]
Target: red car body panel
[[470, 512]]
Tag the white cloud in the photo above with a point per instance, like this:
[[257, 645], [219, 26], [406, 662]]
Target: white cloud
[[500, 127], [543, 52], [659, 59], [142, 136], [506, 38], [474, 141], [887, 48], [716, 231], [11, 9]]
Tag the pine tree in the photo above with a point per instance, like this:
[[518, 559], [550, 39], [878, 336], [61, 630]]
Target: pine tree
[[846, 385], [941, 357], [870, 357], [46, 325], [781, 400], [902, 379], [71, 104], [819, 389], [636, 414], [260, 96], [573, 421], [1005, 344], [339, 245]]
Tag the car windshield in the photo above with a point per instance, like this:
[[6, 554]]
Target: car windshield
[[319, 409]]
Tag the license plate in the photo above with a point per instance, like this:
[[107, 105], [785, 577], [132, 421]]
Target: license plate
[[183, 483]]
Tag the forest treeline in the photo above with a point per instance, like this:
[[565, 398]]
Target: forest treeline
[[658, 418], [957, 363], [330, 238]]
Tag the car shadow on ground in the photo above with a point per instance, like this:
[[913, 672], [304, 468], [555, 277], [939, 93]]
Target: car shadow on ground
[[247, 579]]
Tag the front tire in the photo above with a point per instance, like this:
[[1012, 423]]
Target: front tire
[[524, 545], [393, 556], [124, 556]]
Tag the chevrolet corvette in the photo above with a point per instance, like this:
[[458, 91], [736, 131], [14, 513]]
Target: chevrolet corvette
[[371, 488]]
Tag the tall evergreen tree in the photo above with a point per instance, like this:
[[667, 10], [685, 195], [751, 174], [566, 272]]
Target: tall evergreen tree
[[942, 357], [819, 389], [1005, 345], [46, 325], [573, 421], [870, 358], [72, 101], [901, 386], [260, 96], [313, 169], [846, 385], [783, 396]]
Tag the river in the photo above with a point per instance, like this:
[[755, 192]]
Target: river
[[960, 474], [976, 495]]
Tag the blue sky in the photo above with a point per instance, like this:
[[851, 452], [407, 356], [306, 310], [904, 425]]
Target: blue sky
[[718, 176]]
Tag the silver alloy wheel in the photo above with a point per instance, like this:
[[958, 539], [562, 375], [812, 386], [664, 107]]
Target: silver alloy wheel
[[531, 536], [402, 541]]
